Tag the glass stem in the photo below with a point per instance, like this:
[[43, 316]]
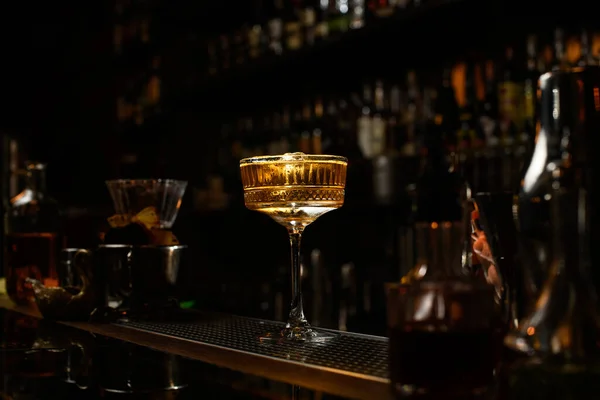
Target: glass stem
[[296, 318]]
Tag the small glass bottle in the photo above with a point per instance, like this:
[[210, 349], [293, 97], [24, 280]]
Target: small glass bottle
[[32, 242]]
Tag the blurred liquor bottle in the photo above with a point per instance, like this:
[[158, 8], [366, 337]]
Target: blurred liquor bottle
[[32, 236]]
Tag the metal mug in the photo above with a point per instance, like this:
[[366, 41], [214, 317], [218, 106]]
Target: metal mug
[[131, 277], [112, 266], [110, 278], [155, 272]]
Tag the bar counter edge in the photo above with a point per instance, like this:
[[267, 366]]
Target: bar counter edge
[[328, 380]]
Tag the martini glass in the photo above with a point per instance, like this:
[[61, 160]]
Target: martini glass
[[294, 189]]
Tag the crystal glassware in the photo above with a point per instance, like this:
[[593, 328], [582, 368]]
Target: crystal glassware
[[564, 325], [130, 196], [559, 336], [294, 189], [441, 321]]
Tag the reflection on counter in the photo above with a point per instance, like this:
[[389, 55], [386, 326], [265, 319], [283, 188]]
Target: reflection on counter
[[42, 360]]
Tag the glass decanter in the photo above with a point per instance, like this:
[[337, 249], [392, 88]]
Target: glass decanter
[[442, 339], [561, 333]]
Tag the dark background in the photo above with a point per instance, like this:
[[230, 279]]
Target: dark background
[[62, 82]]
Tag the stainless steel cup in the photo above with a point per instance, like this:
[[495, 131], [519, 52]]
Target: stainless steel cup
[[155, 272], [113, 272]]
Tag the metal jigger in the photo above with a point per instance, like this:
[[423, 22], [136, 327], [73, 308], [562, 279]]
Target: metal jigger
[[563, 328]]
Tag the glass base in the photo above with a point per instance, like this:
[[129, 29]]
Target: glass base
[[298, 334]]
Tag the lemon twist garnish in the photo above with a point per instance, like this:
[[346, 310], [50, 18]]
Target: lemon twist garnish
[[149, 220]]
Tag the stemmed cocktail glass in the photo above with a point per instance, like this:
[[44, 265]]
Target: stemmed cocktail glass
[[295, 189]]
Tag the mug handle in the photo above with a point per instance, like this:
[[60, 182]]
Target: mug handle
[[82, 263]]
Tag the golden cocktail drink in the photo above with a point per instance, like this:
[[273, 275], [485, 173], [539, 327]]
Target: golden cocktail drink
[[294, 189]]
